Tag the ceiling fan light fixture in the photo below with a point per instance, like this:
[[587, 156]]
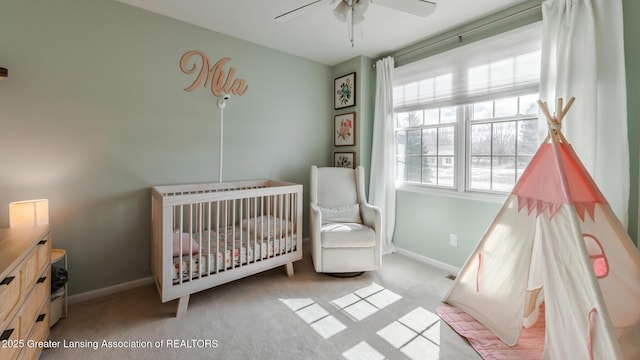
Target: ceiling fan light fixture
[[341, 11], [359, 8]]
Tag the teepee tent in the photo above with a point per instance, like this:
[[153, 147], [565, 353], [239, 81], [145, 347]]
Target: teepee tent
[[556, 241]]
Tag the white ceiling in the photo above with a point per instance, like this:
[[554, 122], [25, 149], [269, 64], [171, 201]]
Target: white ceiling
[[318, 35]]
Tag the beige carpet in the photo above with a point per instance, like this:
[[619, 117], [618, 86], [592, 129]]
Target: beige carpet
[[386, 314]]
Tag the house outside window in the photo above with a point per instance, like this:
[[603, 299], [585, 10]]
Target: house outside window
[[467, 119]]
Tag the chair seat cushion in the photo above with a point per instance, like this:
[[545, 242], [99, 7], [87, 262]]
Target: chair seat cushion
[[347, 235]]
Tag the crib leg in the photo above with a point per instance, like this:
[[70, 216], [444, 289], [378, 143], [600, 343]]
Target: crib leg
[[289, 269], [181, 309]]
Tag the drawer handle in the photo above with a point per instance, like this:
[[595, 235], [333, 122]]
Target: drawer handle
[[42, 279], [41, 317], [7, 280], [42, 242], [6, 334]]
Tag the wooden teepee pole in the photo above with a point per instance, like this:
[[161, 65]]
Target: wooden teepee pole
[[554, 122]]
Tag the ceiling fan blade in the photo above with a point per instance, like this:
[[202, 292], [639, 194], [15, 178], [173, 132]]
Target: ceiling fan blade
[[416, 7], [295, 13]]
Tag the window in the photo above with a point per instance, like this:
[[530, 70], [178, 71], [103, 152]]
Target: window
[[467, 119]]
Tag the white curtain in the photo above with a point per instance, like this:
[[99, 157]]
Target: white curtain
[[583, 56], [382, 184]]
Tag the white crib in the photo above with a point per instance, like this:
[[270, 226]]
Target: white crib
[[204, 235]]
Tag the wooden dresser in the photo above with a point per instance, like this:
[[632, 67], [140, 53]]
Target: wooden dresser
[[25, 290]]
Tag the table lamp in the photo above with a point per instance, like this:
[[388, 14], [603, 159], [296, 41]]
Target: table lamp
[[28, 213]]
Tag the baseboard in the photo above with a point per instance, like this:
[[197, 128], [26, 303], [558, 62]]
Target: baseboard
[[427, 260], [94, 294]]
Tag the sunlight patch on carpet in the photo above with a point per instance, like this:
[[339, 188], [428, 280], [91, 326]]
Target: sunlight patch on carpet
[[416, 334], [366, 301], [315, 316], [362, 351]]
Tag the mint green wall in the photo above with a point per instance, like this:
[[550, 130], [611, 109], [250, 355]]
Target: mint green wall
[[425, 222], [364, 108], [93, 114]]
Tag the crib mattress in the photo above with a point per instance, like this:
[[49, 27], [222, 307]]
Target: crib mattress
[[231, 249]]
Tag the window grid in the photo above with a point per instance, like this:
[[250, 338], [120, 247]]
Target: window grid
[[500, 177], [431, 156]]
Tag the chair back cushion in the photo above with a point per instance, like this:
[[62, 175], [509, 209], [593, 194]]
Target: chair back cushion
[[337, 195], [336, 187]]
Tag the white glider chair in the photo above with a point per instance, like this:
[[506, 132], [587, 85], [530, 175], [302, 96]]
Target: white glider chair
[[346, 232]]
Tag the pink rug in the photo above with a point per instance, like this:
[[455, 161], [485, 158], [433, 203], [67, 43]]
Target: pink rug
[[529, 347]]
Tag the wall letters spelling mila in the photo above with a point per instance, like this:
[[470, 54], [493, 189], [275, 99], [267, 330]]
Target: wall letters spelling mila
[[215, 77]]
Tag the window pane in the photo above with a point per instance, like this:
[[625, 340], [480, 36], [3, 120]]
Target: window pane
[[408, 119], [427, 91], [506, 107], [398, 96], [529, 104], [481, 139], [414, 168], [415, 118], [483, 110], [444, 85], [401, 168], [432, 116], [448, 114], [446, 171], [528, 67], [527, 137], [478, 78], [503, 174], [401, 143], [402, 119], [411, 93], [446, 140], [480, 172], [523, 161], [501, 73], [430, 141], [504, 138], [413, 142], [429, 170]]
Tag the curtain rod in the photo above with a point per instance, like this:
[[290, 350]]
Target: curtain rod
[[467, 32]]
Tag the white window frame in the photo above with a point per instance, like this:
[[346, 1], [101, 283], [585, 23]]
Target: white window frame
[[462, 156], [462, 127]]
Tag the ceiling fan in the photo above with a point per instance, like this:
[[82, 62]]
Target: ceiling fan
[[352, 11]]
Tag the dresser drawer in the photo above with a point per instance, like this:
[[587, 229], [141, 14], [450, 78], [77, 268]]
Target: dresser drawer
[[44, 252], [10, 341], [39, 332], [29, 271], [10, 293], [32, 307]]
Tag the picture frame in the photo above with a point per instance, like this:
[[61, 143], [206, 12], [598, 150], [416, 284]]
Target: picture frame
[[344, 91], [344, 129], [344, 159]]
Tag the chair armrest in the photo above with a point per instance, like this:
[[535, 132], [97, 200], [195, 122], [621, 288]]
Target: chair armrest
[[371, 216], [316, 241], [316, 214]]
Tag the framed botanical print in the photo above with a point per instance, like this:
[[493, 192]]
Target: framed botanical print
[[344, 129], [344, 91], [344, 159]]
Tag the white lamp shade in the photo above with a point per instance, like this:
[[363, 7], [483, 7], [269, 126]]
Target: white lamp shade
[[28, 213]]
